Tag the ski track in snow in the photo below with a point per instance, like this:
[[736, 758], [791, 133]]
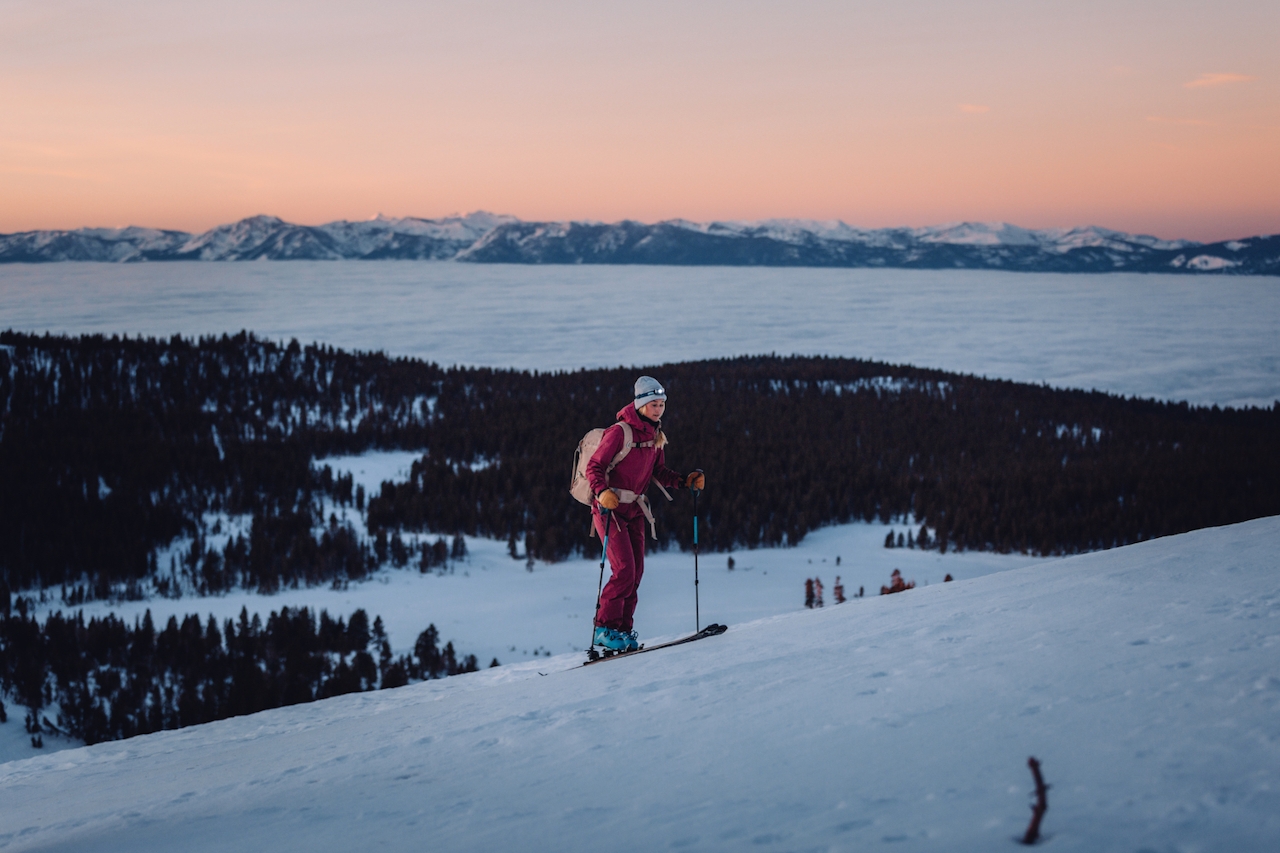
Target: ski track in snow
[[1144, 678], [1205, 340]]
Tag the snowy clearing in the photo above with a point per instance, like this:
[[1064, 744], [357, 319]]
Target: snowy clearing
[[495, 608], [491, 606], [1145, 679], [1205, 340]]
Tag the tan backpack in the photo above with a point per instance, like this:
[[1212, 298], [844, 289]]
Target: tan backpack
[[580, 487]]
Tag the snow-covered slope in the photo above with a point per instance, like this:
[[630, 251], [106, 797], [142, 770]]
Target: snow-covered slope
[[489, 238], [1146, 680]]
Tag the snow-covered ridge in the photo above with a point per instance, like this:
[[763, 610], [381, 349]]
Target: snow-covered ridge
[[259, 238], [954, 233], [491, 238]]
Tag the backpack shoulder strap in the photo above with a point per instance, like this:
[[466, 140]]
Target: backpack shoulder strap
[[627, 444]]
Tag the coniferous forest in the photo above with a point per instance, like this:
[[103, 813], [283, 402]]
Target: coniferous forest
[[110, 680], [111, 448]]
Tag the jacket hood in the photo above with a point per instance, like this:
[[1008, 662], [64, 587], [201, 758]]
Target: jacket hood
[[639, 425]]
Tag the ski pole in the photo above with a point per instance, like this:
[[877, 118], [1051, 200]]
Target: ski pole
[[604, 553], [697, 616]]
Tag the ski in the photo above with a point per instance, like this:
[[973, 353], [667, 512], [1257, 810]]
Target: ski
[[594, 656]]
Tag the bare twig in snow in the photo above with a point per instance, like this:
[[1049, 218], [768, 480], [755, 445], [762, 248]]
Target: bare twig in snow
[[1041, 805]]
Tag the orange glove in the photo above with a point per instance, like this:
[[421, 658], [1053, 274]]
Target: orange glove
[[608, 499], [696, 480]]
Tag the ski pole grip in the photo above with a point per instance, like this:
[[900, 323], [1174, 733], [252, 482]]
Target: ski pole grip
[[695, 491]]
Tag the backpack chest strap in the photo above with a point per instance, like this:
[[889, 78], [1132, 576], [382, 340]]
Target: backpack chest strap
[[627, 443], [627, 496]]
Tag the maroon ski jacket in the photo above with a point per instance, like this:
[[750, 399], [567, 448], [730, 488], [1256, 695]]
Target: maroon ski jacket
[[634, 471]]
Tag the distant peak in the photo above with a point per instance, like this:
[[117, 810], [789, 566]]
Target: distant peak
[[259, 219]]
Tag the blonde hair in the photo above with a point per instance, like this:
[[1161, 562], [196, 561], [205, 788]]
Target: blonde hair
[[659, 437]]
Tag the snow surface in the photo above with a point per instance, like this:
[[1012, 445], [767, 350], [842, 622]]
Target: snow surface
[[1165, 336], [1146, 679], [1210, 262]]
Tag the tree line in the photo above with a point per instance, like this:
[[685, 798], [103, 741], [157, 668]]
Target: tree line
[[112, 447], [109, 680]]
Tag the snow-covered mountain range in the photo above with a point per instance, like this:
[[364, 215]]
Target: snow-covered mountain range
[[259, 238], [1144, 678], [489, 238]]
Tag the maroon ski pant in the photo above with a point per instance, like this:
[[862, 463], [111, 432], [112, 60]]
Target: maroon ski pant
[[626, 561]]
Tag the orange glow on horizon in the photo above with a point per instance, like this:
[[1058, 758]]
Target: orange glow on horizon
[[903, 114]]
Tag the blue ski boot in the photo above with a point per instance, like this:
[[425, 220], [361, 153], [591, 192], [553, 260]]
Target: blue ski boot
[[632, 638], [610, 639]]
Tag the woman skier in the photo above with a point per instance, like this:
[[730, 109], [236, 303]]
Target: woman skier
[[621, 493]]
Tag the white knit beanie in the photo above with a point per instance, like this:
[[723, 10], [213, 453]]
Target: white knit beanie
[[648, 389]]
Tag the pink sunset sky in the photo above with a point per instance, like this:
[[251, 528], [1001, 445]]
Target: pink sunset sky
[[1154, 117]]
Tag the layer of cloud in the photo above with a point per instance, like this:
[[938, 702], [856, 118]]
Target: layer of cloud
[[974, 108], [1206, 81]]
